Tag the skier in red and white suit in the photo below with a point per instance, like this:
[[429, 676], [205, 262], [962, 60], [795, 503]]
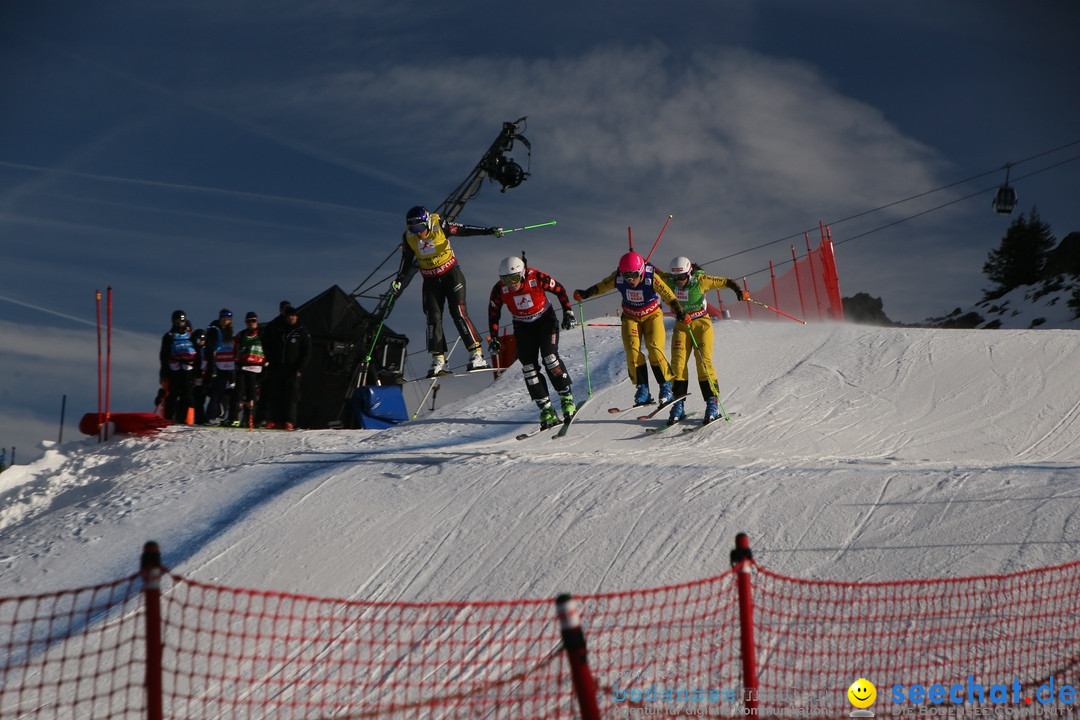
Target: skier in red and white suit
[[536, 332]]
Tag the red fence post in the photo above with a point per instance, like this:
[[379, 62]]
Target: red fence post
[[798, 281], [150, 567], [742, 559], [108, 357], [772, 280], [574, 643], [832, 278], [100, 423], [813, 277]]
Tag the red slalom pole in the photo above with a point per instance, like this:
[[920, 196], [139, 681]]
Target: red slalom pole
[[630, 236], [97, 297], [778, 312], [659, 236], [108, 357]]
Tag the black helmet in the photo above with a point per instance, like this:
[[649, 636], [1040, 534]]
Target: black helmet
[[179, 317], [417, 219], [199, 334]]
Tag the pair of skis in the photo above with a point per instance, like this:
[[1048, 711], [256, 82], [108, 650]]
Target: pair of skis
[[451, 373], [651, 415], [689, 429], [563, 426]]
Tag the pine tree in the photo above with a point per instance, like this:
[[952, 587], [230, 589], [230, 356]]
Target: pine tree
[[1021, 257]]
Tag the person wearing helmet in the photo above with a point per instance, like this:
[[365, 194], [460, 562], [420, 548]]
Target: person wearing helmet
[[201, 384], [536, 332], [250, 362], [425, 246], [693, 332], [642, 322], [220, 367], [177, 374]]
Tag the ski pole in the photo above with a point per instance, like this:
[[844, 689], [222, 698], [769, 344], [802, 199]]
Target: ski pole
[[708, 372], [378, 330], [584, 348], [778, 312], [659, 236], [530, 227], [434, 380]]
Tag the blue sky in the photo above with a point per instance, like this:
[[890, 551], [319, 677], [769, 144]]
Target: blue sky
[[207, 154]]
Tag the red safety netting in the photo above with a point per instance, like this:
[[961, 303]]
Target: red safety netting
[[809, 290], [236, 653], [74, 654], [247, 654], [814, 639], [251, 654]]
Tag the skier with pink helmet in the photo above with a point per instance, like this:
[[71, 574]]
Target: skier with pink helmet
[[642, 322]]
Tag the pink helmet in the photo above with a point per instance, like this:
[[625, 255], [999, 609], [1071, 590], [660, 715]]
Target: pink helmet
[[631, 262]]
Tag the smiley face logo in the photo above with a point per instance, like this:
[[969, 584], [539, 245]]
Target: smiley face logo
[[862, 693]]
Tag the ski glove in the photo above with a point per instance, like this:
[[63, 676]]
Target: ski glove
[[496, 231], [580, 295], [494, 346], [395, 287], [567, 320]]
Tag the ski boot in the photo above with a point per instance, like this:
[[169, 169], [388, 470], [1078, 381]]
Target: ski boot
[[476, 360], [677, 412], [438, 365], [712, 410], [568, 407], [548, 418], [642, 396], [666, 396]]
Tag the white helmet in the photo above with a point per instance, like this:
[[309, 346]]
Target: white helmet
[[681, 266], [511, 266]]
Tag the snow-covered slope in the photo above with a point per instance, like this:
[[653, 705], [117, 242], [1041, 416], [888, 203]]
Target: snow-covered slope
[[1044, 305], [854, 453]]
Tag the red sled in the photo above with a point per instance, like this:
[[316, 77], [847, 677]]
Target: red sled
[[124, 423]]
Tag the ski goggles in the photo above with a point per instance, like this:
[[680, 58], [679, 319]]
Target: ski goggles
[[419, 228], [680, 277], [511, 279], [631, 275]]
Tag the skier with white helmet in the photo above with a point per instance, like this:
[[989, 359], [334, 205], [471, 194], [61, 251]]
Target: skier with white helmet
[[425, 246], [694, 332], [642, 322], [536, 332]]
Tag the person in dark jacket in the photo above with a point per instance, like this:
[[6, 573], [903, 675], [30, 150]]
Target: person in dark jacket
[[220, 367], [271, 334], [177, 359], [201, 383], [293, 355], [250, 359]]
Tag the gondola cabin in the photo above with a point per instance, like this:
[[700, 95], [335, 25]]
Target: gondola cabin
[[1004, 200]]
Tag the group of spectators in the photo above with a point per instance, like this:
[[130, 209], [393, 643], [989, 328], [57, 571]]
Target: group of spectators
[[221, 376]]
